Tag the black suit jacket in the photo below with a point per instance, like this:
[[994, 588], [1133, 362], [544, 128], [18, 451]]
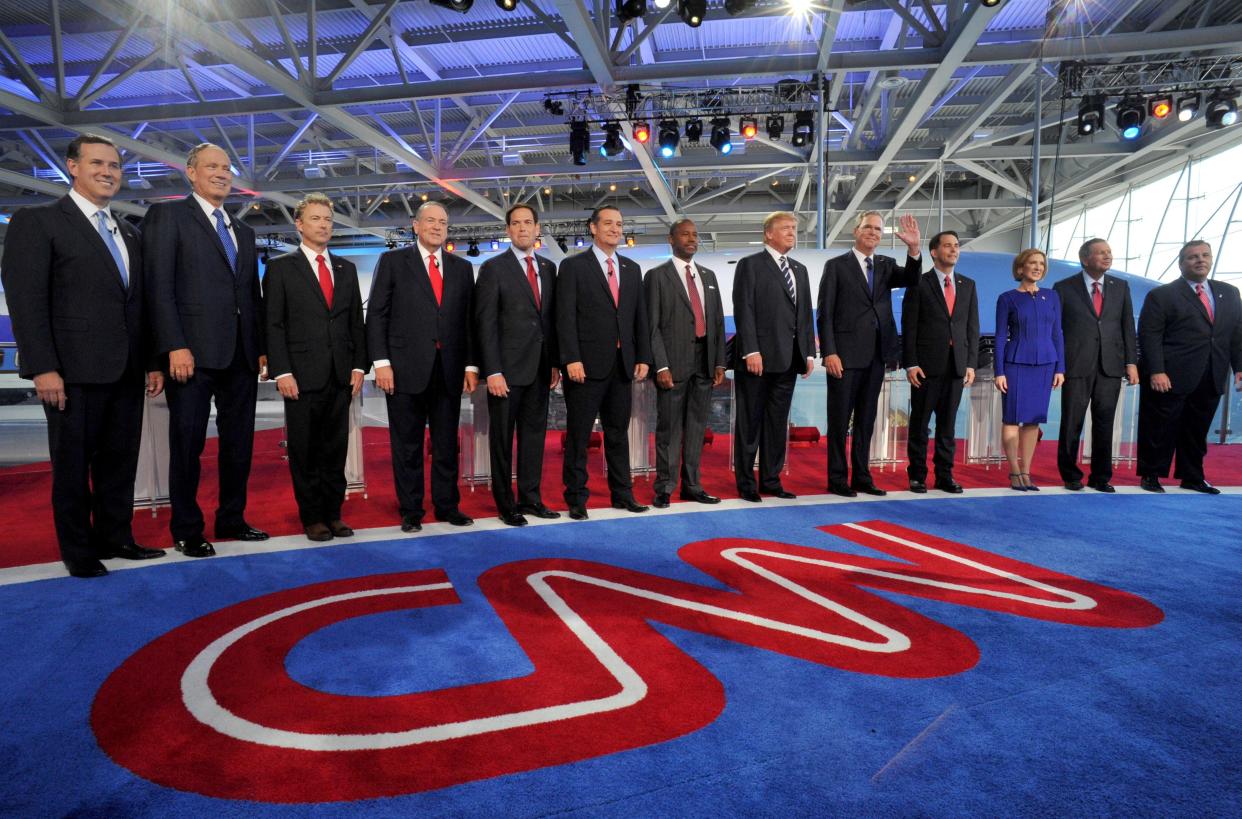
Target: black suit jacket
[[70, 309], [196, 300], [589, 324], [1104, 343], [768, 321], [404, 323], [850, 318], [513, 336], [304, 336], [927, 328], [672, 320], [1176, 338]]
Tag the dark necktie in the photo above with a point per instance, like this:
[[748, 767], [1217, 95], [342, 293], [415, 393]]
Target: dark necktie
[[1097, 298], [788, 274], [696, 305], [325, 280], [870, 275], [949, 295], [437, 281], [230, 249], [533, 279], [1206, 302]]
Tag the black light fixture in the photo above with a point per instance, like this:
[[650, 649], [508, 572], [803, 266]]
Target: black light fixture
[[462, 6], [579, 241], [631, 9], [803, 129], [612, 144], [507, 5], [692, 12], [721, 135], [579, 141], [1131, 113], [473, 249], [554, 107], [1188, 107], [1221, 109], [560, 242], [694, 129], [669, 137], [1090, 116], [775, 126]]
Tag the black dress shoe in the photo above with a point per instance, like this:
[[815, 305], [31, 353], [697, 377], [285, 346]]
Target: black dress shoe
[[132, 551], [1074, 486], [780, 493], [950, 486], [578, 512], [318, 532], [539, 511], [842, 489], [1101, 486], [699, 497], [1200, 486], [1150, 483], [455, 517], [409, 523], [918, 487], [512, 519], [629, 505], [660, 501], [751, 496], [869, 489], [243, 532], [86, 568], [340, 528], [194, 547]]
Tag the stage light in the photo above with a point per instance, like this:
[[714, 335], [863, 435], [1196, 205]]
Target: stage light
[[803, 129], [473, 250], [642, 132], [720, 139], [462, 6], [547, 191], [538, 244], [748, 127], [629, 240], [1188, 107], [669, 137], [692, 12], [663, 4], [1130, 116], [1160, 107], [987, 4], [631, 9], [1090, 115], [560, 242], [612, 140], [579, 241], [775, 126], [579, 142], [450, 246], [694, 129], [554, 107], [612, 187], [1222, 109], [495, 244], [737, 6], [507, 5]]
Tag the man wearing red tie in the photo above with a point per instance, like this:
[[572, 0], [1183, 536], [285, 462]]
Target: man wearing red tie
[[316, 346], [419, 334]]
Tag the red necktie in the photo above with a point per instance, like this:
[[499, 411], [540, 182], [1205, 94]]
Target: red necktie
[[696, 305], [325, 281], [950, 296], [437, 281], [1097, 298], [612, 284], [533, 279], [1206, 302]]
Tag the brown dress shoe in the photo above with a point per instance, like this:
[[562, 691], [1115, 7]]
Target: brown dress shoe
[[318, 532], [340, 529]]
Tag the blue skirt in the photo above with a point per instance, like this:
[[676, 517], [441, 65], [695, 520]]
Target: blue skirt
[[1030, 387]]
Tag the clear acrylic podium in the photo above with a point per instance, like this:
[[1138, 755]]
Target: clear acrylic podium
[[1125, 429], [474, 458], [983, 432]]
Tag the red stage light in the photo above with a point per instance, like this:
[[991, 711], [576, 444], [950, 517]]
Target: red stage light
[[642, 132]]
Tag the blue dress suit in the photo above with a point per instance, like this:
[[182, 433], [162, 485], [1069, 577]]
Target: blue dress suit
[[1030, 350]]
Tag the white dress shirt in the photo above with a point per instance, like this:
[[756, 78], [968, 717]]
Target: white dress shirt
[[423, 254], [1088, 281], [89, 209], [311, 257], [209, 209], [776, 257]]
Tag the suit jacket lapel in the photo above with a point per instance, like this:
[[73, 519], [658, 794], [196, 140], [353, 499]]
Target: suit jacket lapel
[[1191, 296], [780, 277], [603, 277], [515, 267], [311, 276], [79, 220], [418, 272], [196, 213], [678, 279]]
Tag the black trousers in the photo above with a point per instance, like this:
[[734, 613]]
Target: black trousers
[[681, 416], [409, 415], [855, 394], [1100, 392], [524, 411], [941, 394], [610, 398], [762, 421], [234, 389], [1175, 424], [317, 427], [94, 450]]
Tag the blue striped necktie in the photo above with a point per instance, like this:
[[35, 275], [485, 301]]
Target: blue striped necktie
[[230, 249], [106, 233]]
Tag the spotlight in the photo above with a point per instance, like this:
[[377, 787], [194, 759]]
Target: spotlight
[[720, 139], [663, 4], [462, 6], [737, 6], [560, 242], [507, 5], [473, 250], [631, 9], [450, 246], [538, 244], [669, 137], [579, 141], [1188, 107], [554, 107], [776, 126], [642, 132], [1222, 109], [579, 241], [803, 129], [612, 140], [987, 4], [495, 244], [629, 240], [748, 127], [612, 187], [692, 12], [694, 129], [1130, 115], [1090, 115], [1161, 106]]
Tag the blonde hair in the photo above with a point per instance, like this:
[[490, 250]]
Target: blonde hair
[[778, 216], [311, 199], [862, 217], [1022, 258]]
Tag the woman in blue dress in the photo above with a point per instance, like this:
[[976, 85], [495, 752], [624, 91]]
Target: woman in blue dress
[[1030, 362]]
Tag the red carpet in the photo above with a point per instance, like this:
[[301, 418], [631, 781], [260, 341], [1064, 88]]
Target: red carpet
[[27, 535]]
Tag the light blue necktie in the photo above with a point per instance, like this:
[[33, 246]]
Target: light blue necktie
[[230, 249], [789, 282], [106, 233]]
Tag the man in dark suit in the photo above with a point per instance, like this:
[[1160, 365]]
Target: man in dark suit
[[1097, 320], [605, 345], [775, 343], [857, 335], [940, 349], [688, 355], [316, 347], [419, 335], [1190, 335], [207, 311], [72, 275], [515, 329]]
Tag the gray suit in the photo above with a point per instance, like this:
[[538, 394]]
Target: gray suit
[[682, 410]]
